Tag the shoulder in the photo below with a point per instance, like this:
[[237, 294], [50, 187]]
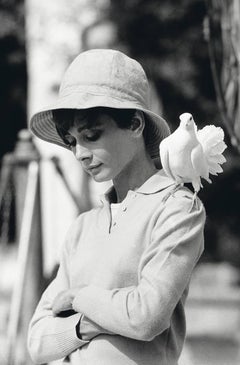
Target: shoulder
[[180, 222], [183, 204]]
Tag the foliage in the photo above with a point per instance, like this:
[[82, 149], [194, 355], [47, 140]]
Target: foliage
[[167, 38], [223, 34], [12, 72]]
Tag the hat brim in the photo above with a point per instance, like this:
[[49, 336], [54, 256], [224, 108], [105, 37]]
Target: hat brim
[[42, 124]]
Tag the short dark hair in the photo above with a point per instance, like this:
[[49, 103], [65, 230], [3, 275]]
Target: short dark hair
[[64, 118]]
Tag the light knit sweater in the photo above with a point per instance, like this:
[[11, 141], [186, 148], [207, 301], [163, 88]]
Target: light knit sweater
[[134, 272]]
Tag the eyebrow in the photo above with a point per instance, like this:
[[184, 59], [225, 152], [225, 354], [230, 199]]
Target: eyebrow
[[87, 126], [81, 128]]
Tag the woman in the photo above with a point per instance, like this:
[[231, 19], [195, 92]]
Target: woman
[[119, 294]]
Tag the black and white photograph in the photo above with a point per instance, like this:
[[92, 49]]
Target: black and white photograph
[[120, 182]]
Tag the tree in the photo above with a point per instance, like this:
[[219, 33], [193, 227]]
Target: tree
[[223, 35], [167, 38], [13, 74]]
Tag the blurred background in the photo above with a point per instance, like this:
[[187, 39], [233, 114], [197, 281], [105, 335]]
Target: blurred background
[[190, 50]]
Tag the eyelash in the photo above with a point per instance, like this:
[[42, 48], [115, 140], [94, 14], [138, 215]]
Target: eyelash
[[69, 143], [94, 137]]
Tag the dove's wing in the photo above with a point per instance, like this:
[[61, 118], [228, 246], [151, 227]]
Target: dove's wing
[[164, 155], [212, 141], [199, 163]]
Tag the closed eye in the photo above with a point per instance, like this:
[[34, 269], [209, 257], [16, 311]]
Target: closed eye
[[92, 135], [69, 140], [88, 135]]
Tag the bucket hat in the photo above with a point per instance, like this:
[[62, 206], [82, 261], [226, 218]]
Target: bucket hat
[[102, 78]]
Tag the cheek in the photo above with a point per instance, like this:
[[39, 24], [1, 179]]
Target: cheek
[[114, 152], [102, 155], [121, 154]]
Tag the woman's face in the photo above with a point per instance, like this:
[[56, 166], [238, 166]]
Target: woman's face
[[104, 150]]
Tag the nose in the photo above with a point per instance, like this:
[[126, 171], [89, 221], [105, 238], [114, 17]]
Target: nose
[[82, 153]]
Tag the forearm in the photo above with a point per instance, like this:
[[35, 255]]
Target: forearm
[[62, 307], [87, 329], [128, 312], [52, 338]]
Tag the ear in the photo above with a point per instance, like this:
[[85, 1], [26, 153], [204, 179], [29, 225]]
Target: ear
[[138, 123]]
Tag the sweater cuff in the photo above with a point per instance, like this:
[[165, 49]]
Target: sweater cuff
[[68, 338]]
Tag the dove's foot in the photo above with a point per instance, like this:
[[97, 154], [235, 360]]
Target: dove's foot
[[171, 193], [194, 202]]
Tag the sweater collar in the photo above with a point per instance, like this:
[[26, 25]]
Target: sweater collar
[[154, 184]]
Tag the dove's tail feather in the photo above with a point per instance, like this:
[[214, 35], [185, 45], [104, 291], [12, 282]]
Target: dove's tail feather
[[217, 159], [212, 141], [218, 148]]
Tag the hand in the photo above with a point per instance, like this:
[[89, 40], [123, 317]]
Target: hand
[[63, 301]]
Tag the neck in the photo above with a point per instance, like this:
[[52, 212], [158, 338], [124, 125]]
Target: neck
[[133, 176]]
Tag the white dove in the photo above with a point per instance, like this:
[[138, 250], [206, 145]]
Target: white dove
[[188, 155]]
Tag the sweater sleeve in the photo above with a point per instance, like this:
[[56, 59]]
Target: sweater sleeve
[[144, 311], [55, 337], [51, 338]]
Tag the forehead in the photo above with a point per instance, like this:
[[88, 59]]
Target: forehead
[[87, 119]]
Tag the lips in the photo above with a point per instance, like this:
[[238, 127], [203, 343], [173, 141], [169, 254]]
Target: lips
[[93, 167]]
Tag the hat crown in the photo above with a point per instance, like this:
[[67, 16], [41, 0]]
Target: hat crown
[[103, 78], [107, 72]]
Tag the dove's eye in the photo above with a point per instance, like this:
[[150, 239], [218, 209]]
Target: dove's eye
[[191, 118]]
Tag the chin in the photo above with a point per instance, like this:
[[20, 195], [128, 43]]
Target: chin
[[101, 177]]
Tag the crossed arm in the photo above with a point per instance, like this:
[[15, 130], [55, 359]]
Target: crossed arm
[[54, 331], [140, 312]]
